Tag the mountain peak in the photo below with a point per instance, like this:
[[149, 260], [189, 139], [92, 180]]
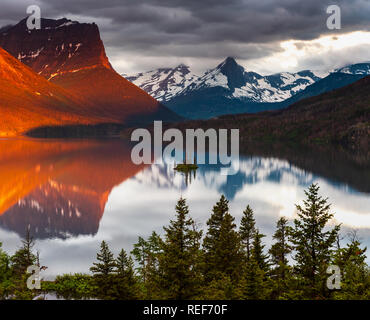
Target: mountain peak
[[164, 83], [184, 69], [60, 46], [233, 71], [182, 65], [228, 62]]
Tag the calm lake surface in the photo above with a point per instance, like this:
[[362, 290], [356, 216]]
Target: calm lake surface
[[74, 194]]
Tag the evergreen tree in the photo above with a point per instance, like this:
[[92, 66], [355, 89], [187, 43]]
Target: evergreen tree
[[24, 256], [247, 230], [214, 223], [212, 238], [126, 285], [104, 275], [4, 263], [279, 252], [222, 288], [257, 253], [5, 274], [355, 273], [125, 265], [147, 254], [140, 253], [281, 248], [253, 285], [19, 262], [312, 244], [178, 263], [106, 263], [223, 255]]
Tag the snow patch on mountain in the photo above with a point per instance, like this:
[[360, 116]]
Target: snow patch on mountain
[[212, 79], [358, 68], [31, 55], [165, 83]]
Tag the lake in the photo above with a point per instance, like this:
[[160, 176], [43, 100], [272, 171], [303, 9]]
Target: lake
[[74, 194]]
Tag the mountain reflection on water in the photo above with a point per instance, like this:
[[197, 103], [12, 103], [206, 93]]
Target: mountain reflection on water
[[73, 194], [59, 189]]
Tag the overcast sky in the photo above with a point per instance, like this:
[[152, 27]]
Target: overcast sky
[[265, 36]]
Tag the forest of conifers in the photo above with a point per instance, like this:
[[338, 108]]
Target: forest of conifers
[[224, 262]]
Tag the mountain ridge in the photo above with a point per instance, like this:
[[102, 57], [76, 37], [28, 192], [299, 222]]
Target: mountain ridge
[[164, 83], [230, 75], [339, 117], [229, 88], [72, 55]]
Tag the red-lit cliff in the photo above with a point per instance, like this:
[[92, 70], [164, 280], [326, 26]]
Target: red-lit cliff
[[72, 56]]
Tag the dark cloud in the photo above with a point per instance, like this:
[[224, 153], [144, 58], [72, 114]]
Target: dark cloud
[[199, 28]]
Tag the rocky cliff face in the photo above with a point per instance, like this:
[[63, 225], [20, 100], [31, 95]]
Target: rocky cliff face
[[61, 46], [27, 101], [72, 56]]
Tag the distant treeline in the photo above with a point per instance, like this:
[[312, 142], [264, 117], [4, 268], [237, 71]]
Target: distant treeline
[[227, 262], [104, 130]]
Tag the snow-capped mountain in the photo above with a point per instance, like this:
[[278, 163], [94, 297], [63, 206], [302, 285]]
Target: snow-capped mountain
[[358, 68], [165, 83], [229, 88], [251, 86]]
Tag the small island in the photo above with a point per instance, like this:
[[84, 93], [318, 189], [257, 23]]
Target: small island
[[186, 167]]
